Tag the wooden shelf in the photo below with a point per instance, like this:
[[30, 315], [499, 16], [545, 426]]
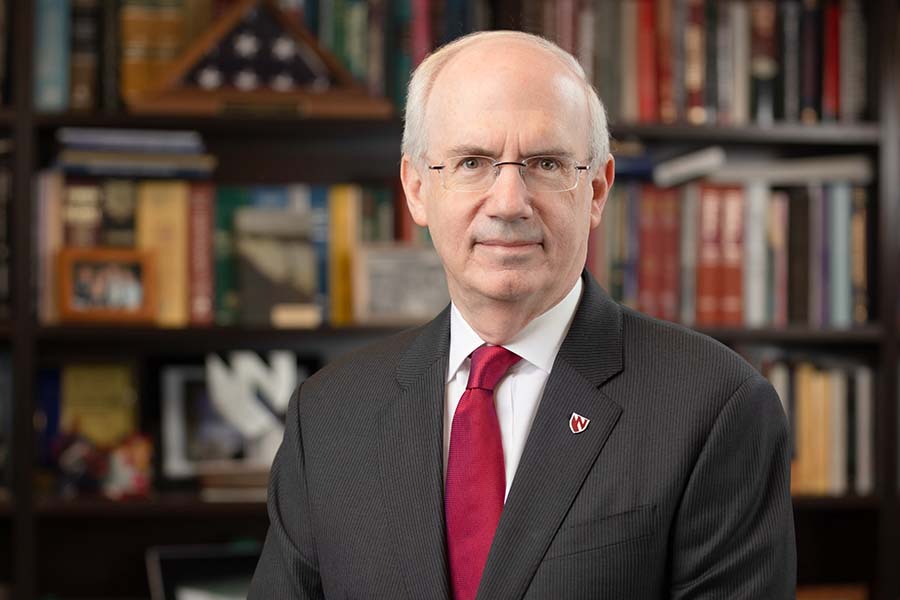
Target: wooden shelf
[[243, 124], [825, 134], [812, 503], [196, 339], [865, 335], [162, 506]]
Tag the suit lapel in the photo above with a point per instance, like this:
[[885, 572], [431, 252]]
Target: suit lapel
[[411, 460], [555, 461]]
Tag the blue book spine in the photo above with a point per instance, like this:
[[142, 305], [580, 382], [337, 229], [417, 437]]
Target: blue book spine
[[270, 196], [51, 69], [318, 202], [48, 396]]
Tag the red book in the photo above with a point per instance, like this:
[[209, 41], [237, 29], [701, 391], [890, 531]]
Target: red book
[[732, 257], [565, 25], [201, 286], [421, 30], [709, 257], [831, 68], [695, 63], [648, 99], [668, 111], [649, 251], [671, 253]]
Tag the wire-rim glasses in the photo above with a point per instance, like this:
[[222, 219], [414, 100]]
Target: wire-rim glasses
[[539, 173]]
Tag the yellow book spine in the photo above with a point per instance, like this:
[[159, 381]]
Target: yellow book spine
[[162, 227], [343, 236]]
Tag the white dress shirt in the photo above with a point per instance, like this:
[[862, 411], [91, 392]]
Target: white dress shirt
[[517, 396]]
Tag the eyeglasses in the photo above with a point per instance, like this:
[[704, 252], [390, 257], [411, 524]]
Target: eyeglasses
[[539, 173]]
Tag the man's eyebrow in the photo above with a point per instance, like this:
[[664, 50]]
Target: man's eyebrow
[[470, 150]]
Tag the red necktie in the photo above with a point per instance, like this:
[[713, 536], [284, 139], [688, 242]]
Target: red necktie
[[476, 478]]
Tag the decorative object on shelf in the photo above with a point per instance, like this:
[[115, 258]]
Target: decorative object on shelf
[[225, 419], [397, 284], [256, 59], [108, 285]]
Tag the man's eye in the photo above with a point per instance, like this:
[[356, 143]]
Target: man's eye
[[471, 163], [548, 164]]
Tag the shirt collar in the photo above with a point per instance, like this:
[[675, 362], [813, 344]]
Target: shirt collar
[[538, 342]]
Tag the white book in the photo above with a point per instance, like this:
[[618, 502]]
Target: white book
[[865, 468], [690, 198], [689, 166], [841, 292], [755, 264], [779, 377], [628, 105], [852, 168], [740, 31], [837, 449]]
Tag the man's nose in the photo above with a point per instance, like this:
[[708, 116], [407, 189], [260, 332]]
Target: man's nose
[[508, 198]]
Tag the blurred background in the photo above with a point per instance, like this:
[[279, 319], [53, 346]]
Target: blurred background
[[200, 207]]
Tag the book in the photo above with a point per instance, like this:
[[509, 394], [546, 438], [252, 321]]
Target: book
[[227, 300], [118, 199], [277, 275], [51, 57], [200, 247], [162, 227], [84, 55], [343, 222], [99, 402]]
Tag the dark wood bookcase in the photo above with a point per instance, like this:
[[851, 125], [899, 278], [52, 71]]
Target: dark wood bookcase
[[87, 548]]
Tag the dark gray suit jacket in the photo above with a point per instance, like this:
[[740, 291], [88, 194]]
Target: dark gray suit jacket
[[678, 488]]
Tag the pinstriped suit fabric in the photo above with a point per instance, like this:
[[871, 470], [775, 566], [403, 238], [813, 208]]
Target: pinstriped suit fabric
[[677, 489]]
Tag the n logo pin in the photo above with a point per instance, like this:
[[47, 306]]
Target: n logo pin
[[577, 423]]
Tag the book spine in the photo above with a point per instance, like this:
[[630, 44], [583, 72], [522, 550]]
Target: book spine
[[648, 241], [790, 60], [162, 228], [51, 70], [85, 55], [853, 83], [732, 256], [756, 299], [628, 63], [695, 63], [202, 286], [228, 200], [840, 215], [421, 30], [799, 256], [711, 87], [709, 259], [136, 33], [82, 214], [665, 62], [648, 97], [724, 48], [343, 219], [831, 56], [5, 254], [763, 62], [810, 62], [319, 212], [670, 263], [859, 256], [109, 83], [690, 198], [118, 200], [740, 28]]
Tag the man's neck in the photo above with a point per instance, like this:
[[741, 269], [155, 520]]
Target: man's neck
[[498, 322]]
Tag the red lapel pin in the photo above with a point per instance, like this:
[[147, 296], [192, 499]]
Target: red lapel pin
[[577, 423]]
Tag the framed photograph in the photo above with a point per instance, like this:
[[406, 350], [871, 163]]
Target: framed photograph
[[106, 285], [397, 284]]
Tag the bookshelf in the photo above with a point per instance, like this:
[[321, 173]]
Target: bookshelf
[[850, 538]]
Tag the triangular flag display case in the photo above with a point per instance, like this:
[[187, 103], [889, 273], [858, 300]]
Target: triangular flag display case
[[257, 59]]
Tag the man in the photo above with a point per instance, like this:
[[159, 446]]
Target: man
[[535, 440]]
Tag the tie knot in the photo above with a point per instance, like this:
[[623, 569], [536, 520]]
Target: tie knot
[[489, 365]]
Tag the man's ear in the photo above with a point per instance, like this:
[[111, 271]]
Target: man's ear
[[600, 186], [412, 182]]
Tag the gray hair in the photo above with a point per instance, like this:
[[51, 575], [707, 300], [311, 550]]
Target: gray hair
[[422, 81]]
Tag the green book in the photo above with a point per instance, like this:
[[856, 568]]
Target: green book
[[228, 200]]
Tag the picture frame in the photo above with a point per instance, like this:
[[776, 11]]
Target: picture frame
[[397, 284], [107, 285]]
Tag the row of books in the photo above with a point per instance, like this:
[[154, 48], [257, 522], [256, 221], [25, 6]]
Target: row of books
[[253, 255], [753, 254], [708, 62], [830, 403]]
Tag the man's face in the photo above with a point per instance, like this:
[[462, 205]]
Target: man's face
[[507, 101]]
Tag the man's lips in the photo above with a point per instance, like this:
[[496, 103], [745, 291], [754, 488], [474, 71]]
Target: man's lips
[[507, 244]]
